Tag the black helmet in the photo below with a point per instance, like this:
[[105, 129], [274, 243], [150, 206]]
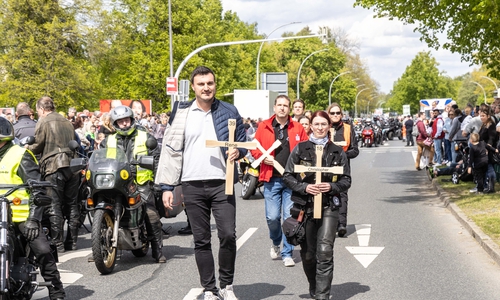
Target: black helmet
[[122, 112], [6, 130]]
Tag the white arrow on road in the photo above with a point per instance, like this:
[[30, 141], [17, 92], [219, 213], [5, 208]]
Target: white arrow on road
[[364, 254]]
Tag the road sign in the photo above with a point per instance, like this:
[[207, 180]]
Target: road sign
[[172, 86]]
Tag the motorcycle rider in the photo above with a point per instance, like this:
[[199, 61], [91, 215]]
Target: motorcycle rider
[[343, 132], [19, 165], [131, 138]]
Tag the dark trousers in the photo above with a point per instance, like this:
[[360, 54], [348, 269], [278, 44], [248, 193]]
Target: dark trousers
[[409, 138], [48, 268], [317, 252], [201, 198], [64, 198], [479, 174], [344, 198]]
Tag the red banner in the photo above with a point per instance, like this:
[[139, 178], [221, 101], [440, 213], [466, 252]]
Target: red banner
[[138, 106]]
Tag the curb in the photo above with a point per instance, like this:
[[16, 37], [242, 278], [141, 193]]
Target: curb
[[491, 248]]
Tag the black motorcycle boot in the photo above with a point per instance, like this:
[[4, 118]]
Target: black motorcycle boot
[[56, 232], [157, 252], [71, 238]]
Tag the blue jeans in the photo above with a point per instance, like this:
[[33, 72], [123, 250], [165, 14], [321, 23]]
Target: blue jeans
[[438, 156], [490, 177], [447, 150], [278, 201]]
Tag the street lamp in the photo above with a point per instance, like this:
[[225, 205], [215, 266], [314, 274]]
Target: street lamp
[[187, 58], [331, 84], [496, 87], [298, 74], [257, 71], [484, 93], [356, 101]]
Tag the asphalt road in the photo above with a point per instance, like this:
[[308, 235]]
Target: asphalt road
[[402, 243]]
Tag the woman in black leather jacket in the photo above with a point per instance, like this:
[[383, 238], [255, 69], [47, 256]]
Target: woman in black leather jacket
[[317, 249]]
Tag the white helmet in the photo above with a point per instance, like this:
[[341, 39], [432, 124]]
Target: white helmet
[[122, 112]]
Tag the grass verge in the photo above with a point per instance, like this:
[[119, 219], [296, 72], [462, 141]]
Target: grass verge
[[482, 209]]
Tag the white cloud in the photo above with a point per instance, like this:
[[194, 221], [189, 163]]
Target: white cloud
[[387, 46]]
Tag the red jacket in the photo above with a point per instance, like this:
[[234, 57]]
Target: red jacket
[[265, 136]]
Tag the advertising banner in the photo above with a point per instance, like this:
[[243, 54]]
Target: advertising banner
[[138, 106]]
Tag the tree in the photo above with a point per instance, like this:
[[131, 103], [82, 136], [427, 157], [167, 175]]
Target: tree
[[42, 53], [472, 27], [421, 80]]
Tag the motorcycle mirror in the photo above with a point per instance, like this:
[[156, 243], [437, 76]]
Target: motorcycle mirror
[[73, 145], [151, 143]]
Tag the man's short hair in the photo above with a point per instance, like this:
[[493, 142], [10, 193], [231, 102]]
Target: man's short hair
[[300, 101], [284, 97], [201, 70], [23, 109], [46, 103]]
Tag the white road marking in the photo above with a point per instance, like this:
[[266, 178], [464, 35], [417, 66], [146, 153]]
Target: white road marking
[[195, 292], [364, 254]]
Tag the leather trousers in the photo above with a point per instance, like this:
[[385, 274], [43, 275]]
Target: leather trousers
[[317, 252], [64, 199], [153, 222]]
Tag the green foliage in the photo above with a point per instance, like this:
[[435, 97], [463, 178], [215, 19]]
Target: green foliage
[[472, 27], [421, 80], [42, 53]]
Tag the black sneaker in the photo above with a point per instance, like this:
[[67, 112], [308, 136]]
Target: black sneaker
[[185, 230]]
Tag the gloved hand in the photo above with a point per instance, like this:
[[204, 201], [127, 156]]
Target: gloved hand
[[31, 229]]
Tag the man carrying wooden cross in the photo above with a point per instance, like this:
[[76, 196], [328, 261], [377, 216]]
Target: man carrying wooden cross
[[186, 160], [301, 170], [289, 133]]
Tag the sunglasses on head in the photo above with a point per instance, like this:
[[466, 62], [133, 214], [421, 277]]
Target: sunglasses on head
[[335, 113]]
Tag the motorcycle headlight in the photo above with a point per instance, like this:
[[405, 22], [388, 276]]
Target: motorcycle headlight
[[104, 181]]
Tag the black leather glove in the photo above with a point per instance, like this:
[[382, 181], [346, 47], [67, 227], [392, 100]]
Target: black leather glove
[[31, 230]]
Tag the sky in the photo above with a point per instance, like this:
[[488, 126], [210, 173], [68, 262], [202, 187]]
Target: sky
[[386, 46]]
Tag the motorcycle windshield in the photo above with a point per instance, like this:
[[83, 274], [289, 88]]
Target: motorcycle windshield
[[107, 160]]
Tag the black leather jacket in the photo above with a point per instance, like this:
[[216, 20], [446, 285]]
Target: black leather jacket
[[304, 154]]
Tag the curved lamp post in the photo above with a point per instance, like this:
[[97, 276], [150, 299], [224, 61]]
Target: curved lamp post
[[257, 71], [496, 87], [331, 84], [298, 74], [184, 62], [356, 102], [484, 93]]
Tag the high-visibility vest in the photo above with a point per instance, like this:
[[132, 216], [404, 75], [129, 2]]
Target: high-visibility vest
[[347, 136], [8, 175], [143, 175]]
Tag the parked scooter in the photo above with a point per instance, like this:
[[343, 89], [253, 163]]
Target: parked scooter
[[119, 211], [18, 265]]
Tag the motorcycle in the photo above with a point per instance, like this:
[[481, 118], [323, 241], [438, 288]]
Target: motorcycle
[[248, 177], [358, 130], [114, 198], [368, 137], [18, 265]]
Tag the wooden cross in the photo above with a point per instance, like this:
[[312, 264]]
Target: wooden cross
[[230, 144], [267, 154], [318, 169], [339, 143]]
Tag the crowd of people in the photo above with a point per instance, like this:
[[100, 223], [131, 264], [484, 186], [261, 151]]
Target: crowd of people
[[461, 141]]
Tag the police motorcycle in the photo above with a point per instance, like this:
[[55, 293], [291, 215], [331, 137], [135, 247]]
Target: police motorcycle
[[18, 265], [114, 199], [248, 176]]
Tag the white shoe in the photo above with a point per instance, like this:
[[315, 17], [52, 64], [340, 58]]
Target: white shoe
[[227, 293], [275, 251], [474, 190], [288, 262], [210, 296]]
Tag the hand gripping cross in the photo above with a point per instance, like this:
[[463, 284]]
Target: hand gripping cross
[[267, 154], [318, 169], [230, 144]]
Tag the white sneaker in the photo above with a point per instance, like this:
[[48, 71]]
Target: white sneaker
[[288, 262], [275, 251], [210, 296], [227, 293], [474, 190]]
